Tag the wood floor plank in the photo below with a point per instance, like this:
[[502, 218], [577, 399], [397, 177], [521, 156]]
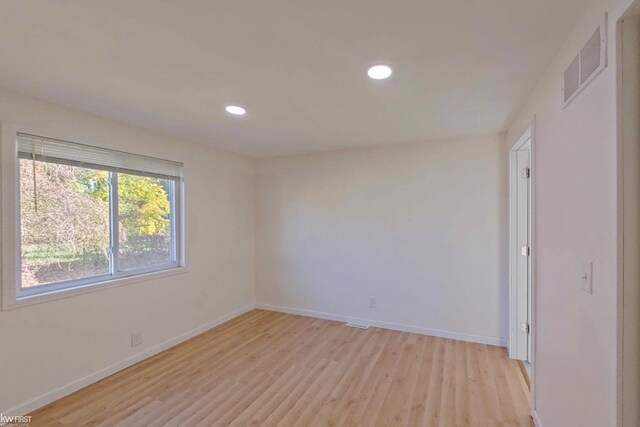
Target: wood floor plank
[[461, 385], [419, 393], [267, 368], [398, 396], [436, 380]]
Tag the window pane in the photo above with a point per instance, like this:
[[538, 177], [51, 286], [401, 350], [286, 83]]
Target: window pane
[[144, 209], [64, 218]]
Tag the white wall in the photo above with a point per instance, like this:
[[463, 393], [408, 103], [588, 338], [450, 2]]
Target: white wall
[[50, 345], [421, 227], [575, 159]]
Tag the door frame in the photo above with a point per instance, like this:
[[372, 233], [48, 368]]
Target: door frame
[[528, 137], [628, 219]]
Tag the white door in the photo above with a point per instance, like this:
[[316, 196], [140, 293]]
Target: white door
[[520, 257]]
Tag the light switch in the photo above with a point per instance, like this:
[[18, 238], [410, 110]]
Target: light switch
[[587, 278]]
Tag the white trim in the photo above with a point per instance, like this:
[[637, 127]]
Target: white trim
[[536, 419], [524, 142], [76, 385], [12, 296], [626, 220], [534, 257], [9, 235], [56, 294], [620, 104], [500, 342], [530, 135]]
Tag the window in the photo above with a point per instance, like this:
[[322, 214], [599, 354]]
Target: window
[[89, 215]]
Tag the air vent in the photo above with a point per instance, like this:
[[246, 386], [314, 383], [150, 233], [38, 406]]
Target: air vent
[[357, 325], [591, 60], [590, 57], [572, 79]]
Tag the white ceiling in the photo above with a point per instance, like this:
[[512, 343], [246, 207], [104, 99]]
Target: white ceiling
[[461, 67]]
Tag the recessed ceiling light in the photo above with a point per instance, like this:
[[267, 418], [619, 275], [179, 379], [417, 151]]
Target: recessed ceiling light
[[235, 110], [379, 72]]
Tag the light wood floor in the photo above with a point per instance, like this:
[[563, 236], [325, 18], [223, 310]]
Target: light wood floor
[[266, 368]]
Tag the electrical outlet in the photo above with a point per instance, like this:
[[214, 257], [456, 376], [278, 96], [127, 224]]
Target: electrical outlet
[[136, 339], [373, 302]]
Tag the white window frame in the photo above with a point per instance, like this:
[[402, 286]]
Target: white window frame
[[13, 295]]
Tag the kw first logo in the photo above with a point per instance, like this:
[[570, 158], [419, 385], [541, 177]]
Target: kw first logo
[[14, 419]]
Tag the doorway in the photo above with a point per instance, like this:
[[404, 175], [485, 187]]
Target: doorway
[[520, 250]]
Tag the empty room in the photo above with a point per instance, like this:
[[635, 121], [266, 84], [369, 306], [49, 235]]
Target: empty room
[[320, 213]]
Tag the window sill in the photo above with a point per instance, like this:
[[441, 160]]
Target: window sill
[[11, 303]]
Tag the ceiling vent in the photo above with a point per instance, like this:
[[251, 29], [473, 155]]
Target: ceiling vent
[[591, 60]]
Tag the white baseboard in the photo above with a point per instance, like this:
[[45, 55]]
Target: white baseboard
[[500, 342], [536, 418], [73, 386]]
